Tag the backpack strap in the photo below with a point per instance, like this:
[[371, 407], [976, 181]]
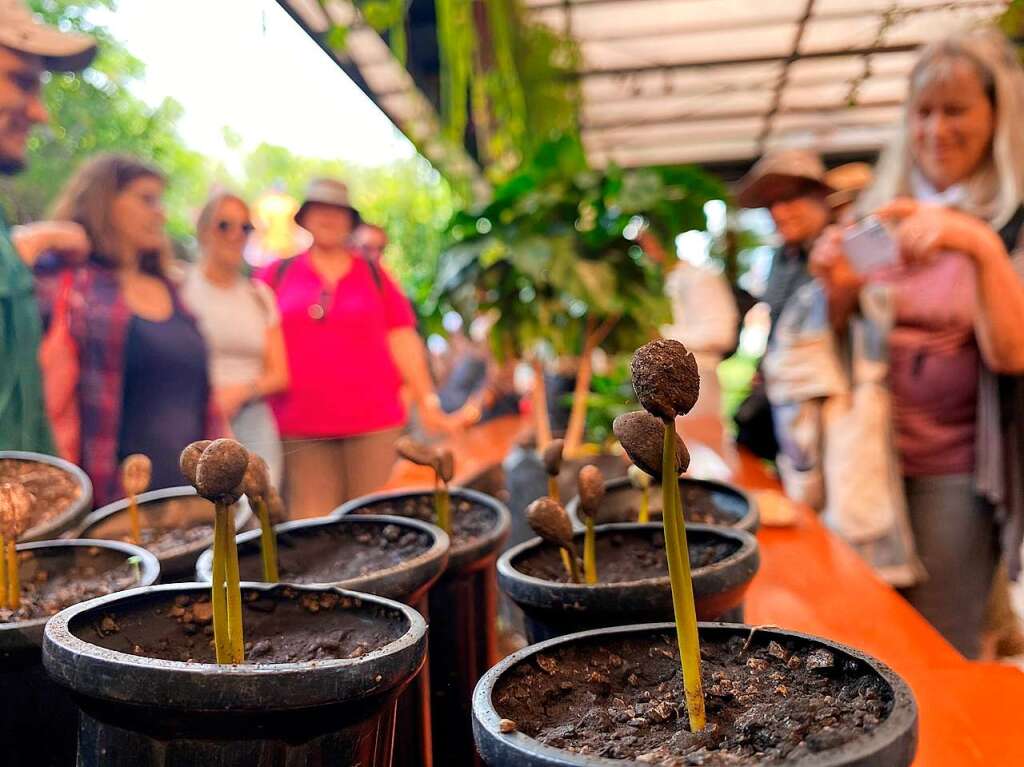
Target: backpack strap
[[279, 271], [378, 280]]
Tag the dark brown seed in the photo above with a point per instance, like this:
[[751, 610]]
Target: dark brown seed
[[665, 378], [445, 465], [417, 452], [548, 519], [552, 457], [189, 459], [590, 482], [256, 482], [220, 470], [136, 473], [642, 437]]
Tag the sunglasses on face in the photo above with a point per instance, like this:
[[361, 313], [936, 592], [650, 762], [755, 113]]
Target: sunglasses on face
[[226, 226]]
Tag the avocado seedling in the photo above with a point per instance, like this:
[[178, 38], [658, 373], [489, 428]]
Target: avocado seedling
[[641, 480], [667, 383], [216, 470], [256, 485], [443, 463], [552, 459], [136, 474], [15, 506], [590, 483], [549, 520]]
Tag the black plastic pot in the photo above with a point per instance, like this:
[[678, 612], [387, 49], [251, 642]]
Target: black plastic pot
[[145, 712], [732, 506], [463, 622], [890, 744], [298, 543], [73, 514], [170, 507], [555, 609], [38, 719]]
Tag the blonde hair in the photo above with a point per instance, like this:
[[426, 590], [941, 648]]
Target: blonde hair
[[88, 200], [995, 189], [205, 218]]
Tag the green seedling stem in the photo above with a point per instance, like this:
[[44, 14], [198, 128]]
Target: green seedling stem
[[221, 635], [589, 551], [682, 585], [268, 543], [443, 505], [234, 592]]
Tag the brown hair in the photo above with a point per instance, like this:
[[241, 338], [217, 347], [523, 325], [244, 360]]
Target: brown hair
[[88, 198], [205, 219]]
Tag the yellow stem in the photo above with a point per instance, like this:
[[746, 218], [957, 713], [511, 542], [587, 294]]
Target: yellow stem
[[682, 584], [3, 572], [589, 552], [218, 596], [553, 493], [268, 544], [442, 505], [645, 505], [133, 515], [573, 568], [13, 580], [233, 591]]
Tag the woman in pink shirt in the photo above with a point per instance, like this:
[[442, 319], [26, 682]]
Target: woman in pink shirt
[[351, 342], [951, 189]]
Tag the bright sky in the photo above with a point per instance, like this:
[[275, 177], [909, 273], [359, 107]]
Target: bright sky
[[247, 65]]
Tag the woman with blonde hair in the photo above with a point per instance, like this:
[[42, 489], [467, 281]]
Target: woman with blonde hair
[[242, 327], [950, 191], [142, 363]]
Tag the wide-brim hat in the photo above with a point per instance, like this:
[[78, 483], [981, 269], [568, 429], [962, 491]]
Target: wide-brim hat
[[779, 174], [60, 51], [849, 181], [327, 191]]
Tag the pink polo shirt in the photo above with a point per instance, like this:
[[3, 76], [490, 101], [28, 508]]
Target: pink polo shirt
[[343, 380]]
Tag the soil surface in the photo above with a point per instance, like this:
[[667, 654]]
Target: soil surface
[[338, 553], [622, 699], [469, 520], [161, 540], [699, 505], [625, 556], [285, 627], [48, 585], [55, 490], [168, 525]]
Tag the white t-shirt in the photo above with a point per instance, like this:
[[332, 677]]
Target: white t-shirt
[[234, 320]]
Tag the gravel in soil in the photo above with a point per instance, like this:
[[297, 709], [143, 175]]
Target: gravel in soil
[[626, 556], [621, 698], [47, 587], [287, 626], [469, 520], [336, 553], [55, 490], [699, 505]]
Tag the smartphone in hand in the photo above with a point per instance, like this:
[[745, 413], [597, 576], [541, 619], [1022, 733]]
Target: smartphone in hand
[[869, 246]]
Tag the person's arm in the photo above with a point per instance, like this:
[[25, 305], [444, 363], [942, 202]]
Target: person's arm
[[410, 356], [842, 284], [275, 365], [64, 237], [925, 230]]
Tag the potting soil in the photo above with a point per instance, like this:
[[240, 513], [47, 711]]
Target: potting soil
[[622, 698], [54, 489], [469, 520]]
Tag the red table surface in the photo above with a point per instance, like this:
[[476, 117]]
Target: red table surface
[[810, 581]]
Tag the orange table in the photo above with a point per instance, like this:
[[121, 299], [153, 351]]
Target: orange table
[[970, 713]]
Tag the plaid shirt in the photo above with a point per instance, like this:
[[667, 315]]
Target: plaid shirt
[[99, 320]]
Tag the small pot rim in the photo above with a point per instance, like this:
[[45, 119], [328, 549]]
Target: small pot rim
[[458, 556], [521, 746], [438, 548], [75, 511], [242, 516], [748, 550], [149, 569], [749, 522], [239, 687]]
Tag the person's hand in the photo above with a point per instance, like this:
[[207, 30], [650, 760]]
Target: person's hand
[[924, 230], [433, 418], [828, 262], [65, 238], [230, 399]]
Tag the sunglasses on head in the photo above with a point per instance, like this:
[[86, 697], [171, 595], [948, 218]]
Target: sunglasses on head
[[226, 226]]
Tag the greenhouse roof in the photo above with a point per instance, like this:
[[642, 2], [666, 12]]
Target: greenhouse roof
[[715, 82]]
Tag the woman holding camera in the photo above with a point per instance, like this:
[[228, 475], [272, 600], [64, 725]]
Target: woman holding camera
[[950, 193]]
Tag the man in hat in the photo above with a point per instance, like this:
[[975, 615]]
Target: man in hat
[[791, 184], [27, 49]]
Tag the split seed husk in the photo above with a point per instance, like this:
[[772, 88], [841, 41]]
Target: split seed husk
[[665, 378]]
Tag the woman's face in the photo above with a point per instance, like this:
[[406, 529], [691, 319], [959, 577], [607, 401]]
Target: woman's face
[[951, 126], [225, 237], [138, 216], [330, 226]]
